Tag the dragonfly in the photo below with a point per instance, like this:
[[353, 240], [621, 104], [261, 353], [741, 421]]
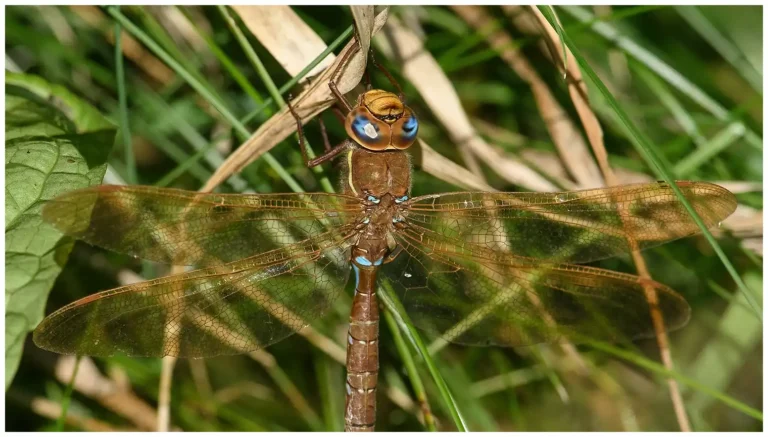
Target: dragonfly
[[475, 268]]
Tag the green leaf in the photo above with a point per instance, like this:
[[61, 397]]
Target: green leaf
[[55, 143]]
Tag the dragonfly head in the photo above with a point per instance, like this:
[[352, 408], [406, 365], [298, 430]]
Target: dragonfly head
[[381, 121]]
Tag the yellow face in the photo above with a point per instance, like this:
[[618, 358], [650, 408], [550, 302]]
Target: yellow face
[[381, 122]]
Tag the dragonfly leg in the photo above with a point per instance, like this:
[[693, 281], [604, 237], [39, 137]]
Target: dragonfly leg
[[329, 152], [332, 83], [339, 96], [324, 133], [339, 114], [392, 255]]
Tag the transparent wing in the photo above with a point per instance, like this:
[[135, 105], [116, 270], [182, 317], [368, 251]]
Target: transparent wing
[[574, 226], [468, 294], [188, 228], [225, 309]]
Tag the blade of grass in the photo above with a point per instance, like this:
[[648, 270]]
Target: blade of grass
[[158, 33], [393, 306], [291, 83], [736, 336], [171, 149], [271, 88], [578, 93], [203, 91], [729, 51], [413, 374], [665, 71], [643, 146], [329, 376], [194, 138], [125, 130], [225, 60], [67, 397], [288, 388], [661, 370], [709, 150], [184, 166]]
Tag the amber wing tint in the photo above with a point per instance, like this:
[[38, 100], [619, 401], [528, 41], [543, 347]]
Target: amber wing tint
[[227, 309], [487, 268], [295, 261], [188, 228], [575, 226]]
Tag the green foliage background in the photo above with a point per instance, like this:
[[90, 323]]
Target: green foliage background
[[702, 112]]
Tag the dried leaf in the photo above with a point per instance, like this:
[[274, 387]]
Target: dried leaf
[[287, 37], [314, 99]]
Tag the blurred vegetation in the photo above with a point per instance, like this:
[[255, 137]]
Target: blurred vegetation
[[711, 58]]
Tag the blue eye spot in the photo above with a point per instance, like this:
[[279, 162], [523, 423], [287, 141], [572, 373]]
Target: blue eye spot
[[410, 127], [364, 128], [374, 199], [401, 199]]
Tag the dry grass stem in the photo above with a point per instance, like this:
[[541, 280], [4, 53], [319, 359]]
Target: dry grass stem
[[423, 71], [566, 137], [444, 169], [90, 382], [578, 92], [52, 411], [164, 395]]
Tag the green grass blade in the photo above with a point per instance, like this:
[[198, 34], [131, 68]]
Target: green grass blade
[[707, 30], [67, 396], [709, 150], [294, 80], [203, 90], [125, 130], [404, 323], [664, 70], [270, 84], [225, 60], [661, 370], [410, 368]]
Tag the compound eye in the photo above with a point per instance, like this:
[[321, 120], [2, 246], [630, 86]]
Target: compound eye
[[366, 130], [404, 130]]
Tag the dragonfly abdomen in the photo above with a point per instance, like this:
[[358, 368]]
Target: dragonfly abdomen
[[362, 351]]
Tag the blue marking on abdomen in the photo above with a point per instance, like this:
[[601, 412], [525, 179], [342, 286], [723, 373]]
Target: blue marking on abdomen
[[363, 261], [357, 277]]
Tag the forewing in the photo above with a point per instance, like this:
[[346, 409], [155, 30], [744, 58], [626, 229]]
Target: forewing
[[468, 294], [188, 228], [575, 226], [226, 309]]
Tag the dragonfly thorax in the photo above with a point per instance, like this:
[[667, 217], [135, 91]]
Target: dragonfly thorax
[[375, 240], [377, 173]]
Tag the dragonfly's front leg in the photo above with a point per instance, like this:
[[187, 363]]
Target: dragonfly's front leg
[[329, 154]]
